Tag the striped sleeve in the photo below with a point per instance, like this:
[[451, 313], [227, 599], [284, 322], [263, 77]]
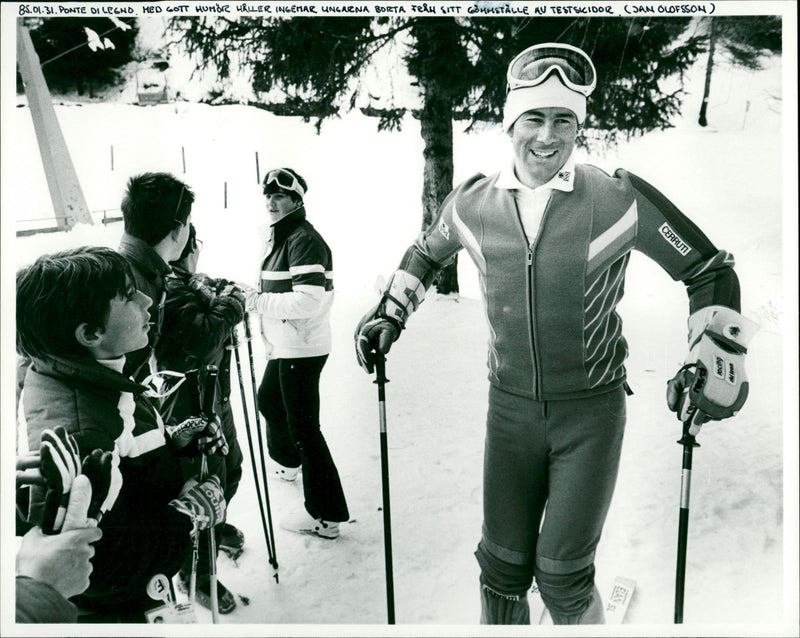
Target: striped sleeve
[[434, 248], [673, 241]]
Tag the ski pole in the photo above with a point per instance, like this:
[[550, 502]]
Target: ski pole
[[267, 531], [209, 396], [273, 556], [193, 575], [689, 443], [381, 381]]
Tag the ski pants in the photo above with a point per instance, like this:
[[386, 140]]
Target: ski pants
[[549, 473], [289, 400]]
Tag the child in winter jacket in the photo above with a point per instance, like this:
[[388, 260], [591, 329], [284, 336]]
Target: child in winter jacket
[[78, 314]]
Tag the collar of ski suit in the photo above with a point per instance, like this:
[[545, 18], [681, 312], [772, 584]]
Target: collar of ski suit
[[563, 180], [287, 224], [103, 373], [147, 260]]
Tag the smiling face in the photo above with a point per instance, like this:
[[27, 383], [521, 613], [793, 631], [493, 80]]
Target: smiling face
[[542, 139], [126, 327], [280, 204]]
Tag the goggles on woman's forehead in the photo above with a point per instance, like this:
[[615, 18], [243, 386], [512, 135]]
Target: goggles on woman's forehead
[[536, 63], [284, 179]]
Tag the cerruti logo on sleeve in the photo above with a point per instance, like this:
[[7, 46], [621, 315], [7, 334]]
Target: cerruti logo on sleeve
[[675, 241]]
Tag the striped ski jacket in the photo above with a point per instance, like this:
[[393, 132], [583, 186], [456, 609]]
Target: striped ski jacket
[[104, 409], [554, 332], [295, 290]]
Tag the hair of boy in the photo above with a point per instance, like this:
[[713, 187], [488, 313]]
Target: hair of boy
[[154, 205], [191, 244], [60, 291]]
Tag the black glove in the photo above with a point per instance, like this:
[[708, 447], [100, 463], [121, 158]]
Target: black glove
[[235, 293], [374, 336], [102, 470]]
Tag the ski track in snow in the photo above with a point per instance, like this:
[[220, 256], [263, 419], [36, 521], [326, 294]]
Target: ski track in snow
[[364, 198]]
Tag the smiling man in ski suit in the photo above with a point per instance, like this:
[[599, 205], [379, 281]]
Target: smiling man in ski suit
[[551, 240]]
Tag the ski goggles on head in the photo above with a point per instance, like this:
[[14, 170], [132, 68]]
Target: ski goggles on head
[[535, 64], [285, 180]]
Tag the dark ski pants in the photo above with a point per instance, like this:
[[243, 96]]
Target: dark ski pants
[[289, 400], [560, 454]]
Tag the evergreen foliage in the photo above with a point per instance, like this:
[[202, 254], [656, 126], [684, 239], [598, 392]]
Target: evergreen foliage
[[746, 39], [318, 67], [67, 61]]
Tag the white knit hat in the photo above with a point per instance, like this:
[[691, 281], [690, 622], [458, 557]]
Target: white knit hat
[[550, 93]]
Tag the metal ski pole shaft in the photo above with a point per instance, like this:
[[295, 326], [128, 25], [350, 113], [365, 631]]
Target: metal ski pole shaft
[[193, 574], [237, 357], [209, 397], [381, 381], [249, 339], [689, 443], [212, 554]]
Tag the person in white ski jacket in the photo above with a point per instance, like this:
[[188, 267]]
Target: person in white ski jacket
[[294, 301], [551, 240]]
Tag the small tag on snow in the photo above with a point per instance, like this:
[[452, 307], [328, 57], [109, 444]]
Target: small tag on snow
[[537, 606], [619, 599]]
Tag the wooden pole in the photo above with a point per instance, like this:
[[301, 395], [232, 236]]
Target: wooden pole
[[69, 203]]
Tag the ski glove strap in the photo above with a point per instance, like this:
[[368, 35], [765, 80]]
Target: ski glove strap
[[203, 502], [712, 384], [403, 295]]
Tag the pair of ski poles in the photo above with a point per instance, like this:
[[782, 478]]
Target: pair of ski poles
[[263, 503], [687, 441]]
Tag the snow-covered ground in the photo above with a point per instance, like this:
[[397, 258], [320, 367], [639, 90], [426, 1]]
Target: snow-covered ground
[[364, 197]]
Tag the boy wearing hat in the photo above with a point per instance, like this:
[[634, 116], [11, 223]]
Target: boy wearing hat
[[294, 301], [551, 240]]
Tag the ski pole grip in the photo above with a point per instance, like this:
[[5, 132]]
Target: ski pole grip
[[380, 369]]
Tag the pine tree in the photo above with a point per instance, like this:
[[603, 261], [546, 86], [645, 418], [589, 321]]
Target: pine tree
[[315, 67], [67, 61], [747, 39]]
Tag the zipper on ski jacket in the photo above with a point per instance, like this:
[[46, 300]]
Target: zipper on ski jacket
[[574, 273]]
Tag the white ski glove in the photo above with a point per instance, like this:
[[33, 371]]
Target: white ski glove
[[712, 384]]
